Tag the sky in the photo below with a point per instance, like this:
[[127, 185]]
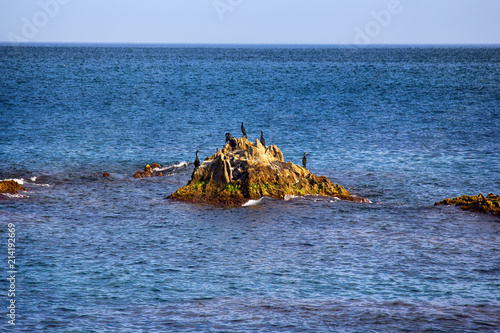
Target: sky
[[359, 22]]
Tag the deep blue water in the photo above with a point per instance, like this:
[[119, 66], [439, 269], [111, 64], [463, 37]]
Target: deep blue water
[[404, 127]]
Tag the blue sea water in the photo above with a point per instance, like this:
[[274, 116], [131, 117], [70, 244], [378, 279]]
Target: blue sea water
[[404, 127]]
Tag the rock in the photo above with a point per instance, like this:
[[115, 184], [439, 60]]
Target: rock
[[10, 186], [106, 174], [243, 171], [475, 203], [148, 171]]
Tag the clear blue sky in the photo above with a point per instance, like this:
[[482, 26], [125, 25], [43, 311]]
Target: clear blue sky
[[252, 21]]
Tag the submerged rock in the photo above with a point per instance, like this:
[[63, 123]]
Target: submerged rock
[[10, 186], [245, 171], [148, 171], [476, 203]]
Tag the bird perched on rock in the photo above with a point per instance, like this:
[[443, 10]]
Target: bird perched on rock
[[196, 161], [262, 140], [228, 137], [243, 130], [304, 160]]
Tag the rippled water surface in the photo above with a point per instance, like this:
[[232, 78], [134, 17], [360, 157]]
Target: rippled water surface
[[404, 127]]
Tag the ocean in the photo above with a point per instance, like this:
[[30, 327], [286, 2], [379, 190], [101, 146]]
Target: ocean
[[402, 126]]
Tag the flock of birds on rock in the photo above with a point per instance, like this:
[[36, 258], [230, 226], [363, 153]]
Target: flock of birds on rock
[[244, 132]]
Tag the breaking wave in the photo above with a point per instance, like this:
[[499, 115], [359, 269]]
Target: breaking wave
[[172, 168], [16, 196], [290, 197], [252, 202], [20, 181], [31, 181]]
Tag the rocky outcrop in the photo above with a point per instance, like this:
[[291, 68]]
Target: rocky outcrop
[[244, 170], [476, 203], [148, 171], [10, 186]]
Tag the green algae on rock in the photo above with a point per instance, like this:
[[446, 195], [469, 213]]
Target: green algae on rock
[[245, 171], [476, 203]]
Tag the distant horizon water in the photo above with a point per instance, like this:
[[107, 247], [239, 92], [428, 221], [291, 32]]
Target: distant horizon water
[[252, 45]]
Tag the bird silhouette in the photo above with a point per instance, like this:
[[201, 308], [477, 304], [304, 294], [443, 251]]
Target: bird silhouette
[[243, 130], [196, 161], [304, 160]]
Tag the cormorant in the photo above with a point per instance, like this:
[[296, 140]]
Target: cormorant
[[304, 160], [196, 161], [262, 140], [228, 137], [243, 130]]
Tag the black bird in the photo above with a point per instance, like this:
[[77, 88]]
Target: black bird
[[196, 161], [262, 140], [304, 160], [228, 137], [243, 130]]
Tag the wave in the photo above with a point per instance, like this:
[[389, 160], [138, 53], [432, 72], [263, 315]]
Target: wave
[[20, 181], [43, 185], [173, 167], [252, 202], [17, 196], [289, 197], [311, 197]]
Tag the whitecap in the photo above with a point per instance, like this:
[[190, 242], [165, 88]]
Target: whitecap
[[171, 167], [42, 185], [181, 165], [290, 197], [252, 202], [33, 180], [17, 196], [19, 181]]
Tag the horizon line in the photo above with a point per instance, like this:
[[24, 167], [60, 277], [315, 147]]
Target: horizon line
[[278, 45]]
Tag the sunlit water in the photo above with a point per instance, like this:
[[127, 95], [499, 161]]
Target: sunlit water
[[404, 127]]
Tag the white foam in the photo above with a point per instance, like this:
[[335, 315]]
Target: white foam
[[252, 202], [42, 185], [180, 165], [357, 196], [11, 195], [175, 166], [33, 179], [19, 181], [290, 197]]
